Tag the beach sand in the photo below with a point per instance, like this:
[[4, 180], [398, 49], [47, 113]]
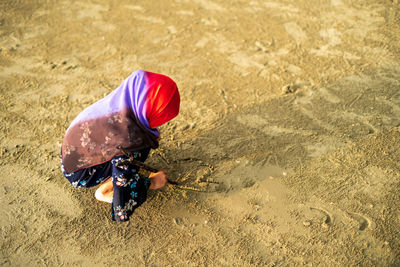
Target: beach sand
[[286, 149]]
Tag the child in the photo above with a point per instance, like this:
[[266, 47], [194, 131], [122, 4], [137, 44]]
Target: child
[[126, 118]]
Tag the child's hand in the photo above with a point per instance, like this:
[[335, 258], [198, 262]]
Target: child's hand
[[158, 180]]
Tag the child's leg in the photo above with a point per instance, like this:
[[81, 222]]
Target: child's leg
[[105, 191]]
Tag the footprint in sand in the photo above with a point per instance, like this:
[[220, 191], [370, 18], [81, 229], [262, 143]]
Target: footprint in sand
[[363, 221], [327, 218]]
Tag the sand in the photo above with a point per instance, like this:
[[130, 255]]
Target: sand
[[286, 149]]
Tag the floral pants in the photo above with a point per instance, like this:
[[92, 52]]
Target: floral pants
[[129, 187]]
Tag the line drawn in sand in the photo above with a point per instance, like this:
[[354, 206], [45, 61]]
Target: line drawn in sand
[[197, 178], [275, 159]]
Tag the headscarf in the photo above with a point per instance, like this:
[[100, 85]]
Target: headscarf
[[126, 117]]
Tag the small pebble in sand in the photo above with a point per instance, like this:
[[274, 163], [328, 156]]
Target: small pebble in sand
[[324, 225], [287, 89], [306, 223], [5, 189]]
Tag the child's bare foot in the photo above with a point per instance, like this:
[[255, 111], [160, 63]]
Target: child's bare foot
[[105, 191]]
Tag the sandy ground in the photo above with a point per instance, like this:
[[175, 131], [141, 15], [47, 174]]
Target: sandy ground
[[286, 149]]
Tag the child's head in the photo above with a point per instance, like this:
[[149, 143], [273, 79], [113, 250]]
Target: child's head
[[162, 99]]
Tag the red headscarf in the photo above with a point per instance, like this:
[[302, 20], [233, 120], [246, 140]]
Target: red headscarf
[[162, 101]]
